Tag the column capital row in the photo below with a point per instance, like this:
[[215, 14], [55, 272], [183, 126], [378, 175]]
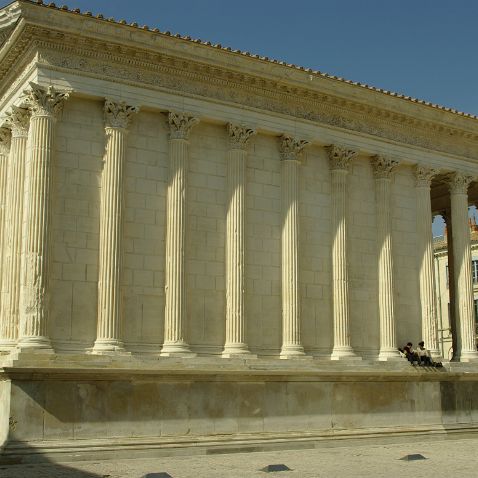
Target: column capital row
[[44, 101], [239, 135], [118, 114], [383, 166], [291, 148], [340, 157]]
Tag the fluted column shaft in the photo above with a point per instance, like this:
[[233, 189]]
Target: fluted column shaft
[[463, 286], [425, 255], [340, 159], [109, 327], [44, 104], [5, 138], [9, 315], [235, 343], [291, 335], [175, 343], [383, 168]]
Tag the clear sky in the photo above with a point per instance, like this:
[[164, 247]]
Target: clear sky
[[422, 48]]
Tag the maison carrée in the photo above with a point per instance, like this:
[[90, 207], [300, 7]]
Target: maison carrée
[[202, 247]]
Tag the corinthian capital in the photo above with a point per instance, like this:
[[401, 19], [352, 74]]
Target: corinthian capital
[[180, 125], [340, 157], [239, 136], [18, 120], [44, 101], [291, 148], [458, 182], [118, 114], [383, 166], [4, 141], [424, 175]]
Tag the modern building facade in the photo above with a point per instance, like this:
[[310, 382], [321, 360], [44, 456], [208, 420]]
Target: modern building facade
[[204, 247]]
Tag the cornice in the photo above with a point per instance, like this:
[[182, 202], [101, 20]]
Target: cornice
[[92, 57]]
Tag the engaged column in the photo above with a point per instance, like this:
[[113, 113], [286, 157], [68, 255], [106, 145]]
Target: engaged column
[[117, 119], [175, 343]]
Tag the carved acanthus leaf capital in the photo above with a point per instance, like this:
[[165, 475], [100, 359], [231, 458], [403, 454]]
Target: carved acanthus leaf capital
[[43, 101], [424, 175], [118, 114], [5, 137], [18, 120], [458, 182], [239, 136], [291, 148], [180, 125], [340, 157], [383, 166]]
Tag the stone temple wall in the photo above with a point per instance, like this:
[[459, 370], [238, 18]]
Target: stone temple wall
[[80, 146]]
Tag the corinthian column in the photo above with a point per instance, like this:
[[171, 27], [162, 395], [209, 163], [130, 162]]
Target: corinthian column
[[424, 176], [463, 286], [383, 169], [175, 310], [45, 104], [340, 159], [5, 138], [18, 121], [290, 154], [117, 119], [235, 319]]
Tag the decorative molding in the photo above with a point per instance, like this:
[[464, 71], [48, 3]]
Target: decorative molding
[[291, 148], [340, 158], [18, 120], [424, 175], [383, 166], [118, 114], [180, 125], [239, 135], [458, 182], [5, 138], [120, 63]]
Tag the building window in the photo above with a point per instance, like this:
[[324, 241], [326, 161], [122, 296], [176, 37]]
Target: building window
[[474, 271]]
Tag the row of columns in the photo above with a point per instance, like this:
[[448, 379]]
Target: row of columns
[[24, 279]]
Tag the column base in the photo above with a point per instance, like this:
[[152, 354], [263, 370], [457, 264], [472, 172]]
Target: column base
[[467, 356], [344, 353], [35, 344], [7, 345], [293, 352], [177, 349], [237, 351], [386, 355], [109, 347]]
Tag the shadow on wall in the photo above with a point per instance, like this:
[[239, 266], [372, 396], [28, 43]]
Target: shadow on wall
[[37, 464]]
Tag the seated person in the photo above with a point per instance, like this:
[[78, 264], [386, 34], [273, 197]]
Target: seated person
[[424, 357], [410, 354]]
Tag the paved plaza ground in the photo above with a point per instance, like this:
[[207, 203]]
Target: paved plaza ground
[[443, 459]]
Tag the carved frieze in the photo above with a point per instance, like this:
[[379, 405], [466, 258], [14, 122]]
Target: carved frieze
[[291, 148], [459, 182], [239, 135], [18, 120], [383, 166], [340, 157], [180, 125], [118, 114], [44, 101]]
